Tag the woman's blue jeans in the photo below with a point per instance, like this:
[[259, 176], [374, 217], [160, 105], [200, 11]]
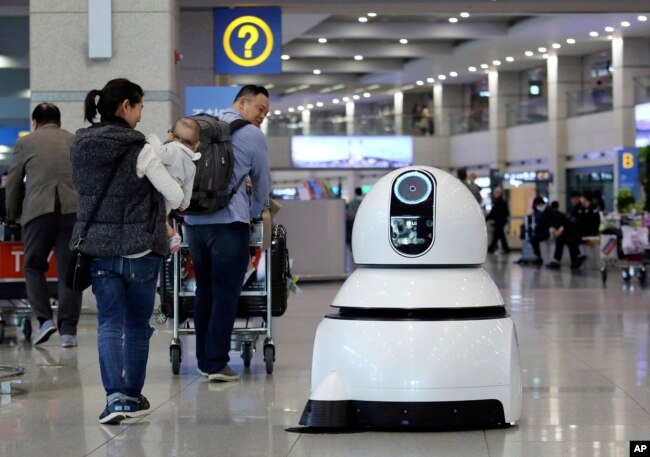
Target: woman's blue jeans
[[125, 290], [220, 256]]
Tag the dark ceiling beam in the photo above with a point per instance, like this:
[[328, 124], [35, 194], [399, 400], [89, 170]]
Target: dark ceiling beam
[[366, 49], [342, 65], [410, 30]]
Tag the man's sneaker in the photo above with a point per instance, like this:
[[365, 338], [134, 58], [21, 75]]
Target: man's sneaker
[[201, 372], [113, 413], [68, 341], [226, 374], [44, 332]]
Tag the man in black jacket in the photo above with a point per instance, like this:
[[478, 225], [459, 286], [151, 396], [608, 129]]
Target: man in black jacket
[[566, 231], [500, 215]]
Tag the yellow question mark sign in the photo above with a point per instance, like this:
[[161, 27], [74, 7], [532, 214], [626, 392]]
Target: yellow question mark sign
[[253, 36], [252, 32]]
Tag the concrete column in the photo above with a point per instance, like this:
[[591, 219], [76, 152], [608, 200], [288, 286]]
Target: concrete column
[[564, 76], [504, 90], [349, 118], [306, 122], [630, 59], [398, 103], [144, 38], [447, 104]]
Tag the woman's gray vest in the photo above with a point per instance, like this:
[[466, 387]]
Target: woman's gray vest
[[131, 217]]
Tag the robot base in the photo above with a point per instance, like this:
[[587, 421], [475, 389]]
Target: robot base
[[403, 415]]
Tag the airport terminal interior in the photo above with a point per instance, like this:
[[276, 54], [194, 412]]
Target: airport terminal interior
[[540, 99]]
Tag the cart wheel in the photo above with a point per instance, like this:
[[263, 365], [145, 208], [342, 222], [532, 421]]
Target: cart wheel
[[247, 353], [175, 356], [625, 275], [2, 332], [603, 275], [161, 318], [27, 329], [269, 357]]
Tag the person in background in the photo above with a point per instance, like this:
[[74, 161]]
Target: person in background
[[218, 241], [3, 207], [542, 218], [127, 237], [566, 234], [499, 214], [461, 173], [588, 214], [40, 196]]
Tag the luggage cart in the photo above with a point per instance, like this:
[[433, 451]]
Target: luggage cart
[[177, 290], [14, 309], [631, 257]]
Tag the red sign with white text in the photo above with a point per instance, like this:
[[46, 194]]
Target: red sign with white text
[[12, 257]]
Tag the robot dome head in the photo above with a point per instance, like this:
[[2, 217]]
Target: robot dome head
[[419, 216]]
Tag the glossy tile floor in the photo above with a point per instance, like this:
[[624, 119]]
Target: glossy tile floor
[[585, 356]]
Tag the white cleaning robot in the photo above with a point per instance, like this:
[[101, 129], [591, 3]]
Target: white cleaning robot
[[421, 338]]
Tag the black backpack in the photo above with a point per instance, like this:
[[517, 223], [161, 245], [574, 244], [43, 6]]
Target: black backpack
[[214, 169]]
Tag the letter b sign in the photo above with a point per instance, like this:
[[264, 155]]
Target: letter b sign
[[628, 160]]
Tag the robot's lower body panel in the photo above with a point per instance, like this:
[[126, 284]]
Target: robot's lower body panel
[[414, 374]]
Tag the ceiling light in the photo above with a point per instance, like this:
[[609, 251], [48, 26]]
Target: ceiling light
[[642, 18], [442, 77], [610, 37], [484, 66], [366, 94], [403, 40], [510, 59], [317, 71], [625, 24], [336, 101], [291, 110], [431, 80], [301, 108], [453, 74], [496, 62], [453, 20], [358, 57], [310, 106], [322, 40], [277, 112], [556, 45], [355, 97], [472, 69], [464, 14], [609, 29], [346, 99], [319, 104], [419, 83], [363, 19], [593, 34], [542, 49], [529, 53], [285, 57], [571, 40], [372, 14]]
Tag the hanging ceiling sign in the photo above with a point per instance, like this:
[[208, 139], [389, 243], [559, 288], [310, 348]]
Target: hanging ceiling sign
[[247, 40]]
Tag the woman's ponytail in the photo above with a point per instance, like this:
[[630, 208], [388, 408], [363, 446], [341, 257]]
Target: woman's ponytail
[[90, 106]]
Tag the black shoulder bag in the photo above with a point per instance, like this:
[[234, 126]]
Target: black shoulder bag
[[78, 277]]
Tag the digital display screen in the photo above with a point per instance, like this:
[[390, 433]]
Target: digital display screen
[[408, 230], [351, 151]]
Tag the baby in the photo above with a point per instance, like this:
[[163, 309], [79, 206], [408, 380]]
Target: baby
[[178, 155]]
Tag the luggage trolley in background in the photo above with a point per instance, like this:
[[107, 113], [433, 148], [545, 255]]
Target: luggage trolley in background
[[256, 302], [630, 256], [14, 309]]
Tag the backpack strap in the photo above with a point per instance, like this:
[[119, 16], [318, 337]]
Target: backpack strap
[[234, 126]]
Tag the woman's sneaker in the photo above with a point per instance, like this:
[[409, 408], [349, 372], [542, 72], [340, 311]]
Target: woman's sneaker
[[113, 413], [137, 408]]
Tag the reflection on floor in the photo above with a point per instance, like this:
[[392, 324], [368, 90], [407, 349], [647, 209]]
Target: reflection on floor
[[585, 355]]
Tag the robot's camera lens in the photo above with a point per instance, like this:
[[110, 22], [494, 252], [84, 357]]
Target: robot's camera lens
[[413, 187]]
